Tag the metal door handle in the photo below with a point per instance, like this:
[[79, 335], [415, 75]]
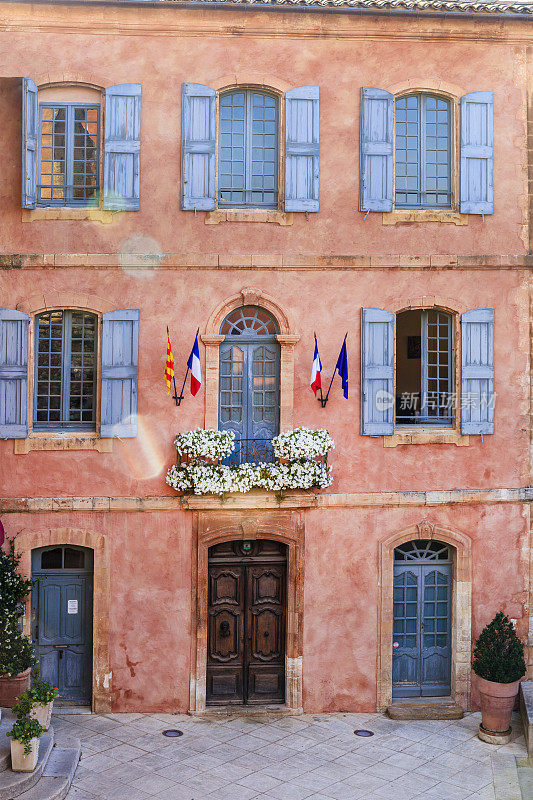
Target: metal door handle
[[60, 646]]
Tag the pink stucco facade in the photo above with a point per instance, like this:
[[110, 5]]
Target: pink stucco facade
[[319, 270]]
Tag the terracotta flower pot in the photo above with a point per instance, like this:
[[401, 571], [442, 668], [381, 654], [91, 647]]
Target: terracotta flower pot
[[42, 712], [497, 703], [21, 761], [12, 687]]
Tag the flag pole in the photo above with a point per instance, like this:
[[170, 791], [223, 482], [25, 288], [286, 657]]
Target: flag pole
[[325, 400], [180, 398], [175, 395], [321, 398]]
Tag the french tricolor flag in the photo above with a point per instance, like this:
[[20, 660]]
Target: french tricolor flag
[[194, 365], [316, 369]]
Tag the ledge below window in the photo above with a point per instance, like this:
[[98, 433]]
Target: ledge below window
[[427, 436], [406, 215], [290, 498], [89, 214], [249, 215], [62, 441]]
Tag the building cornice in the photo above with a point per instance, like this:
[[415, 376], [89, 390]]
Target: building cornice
[[266, 500], [265, 261], [425, 8]]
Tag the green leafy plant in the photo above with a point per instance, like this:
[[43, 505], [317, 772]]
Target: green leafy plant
[[498, 652], [16, 652], [24, 730], [42, 691], [23, 705]]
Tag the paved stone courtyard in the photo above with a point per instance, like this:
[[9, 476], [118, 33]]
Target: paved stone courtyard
[[310, 757]]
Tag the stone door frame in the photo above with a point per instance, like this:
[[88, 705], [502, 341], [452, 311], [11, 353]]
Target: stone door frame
[[215, 527], [27, 541], [461, 609]]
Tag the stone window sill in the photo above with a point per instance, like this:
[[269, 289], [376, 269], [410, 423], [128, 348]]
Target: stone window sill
[[249, 215], [62, 442], [406, 216], [427, 436], [90, 214], [291, 498]]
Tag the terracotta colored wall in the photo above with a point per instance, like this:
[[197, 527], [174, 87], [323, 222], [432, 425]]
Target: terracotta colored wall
[[326, 302], [164, 47], [151, 595], [341, 629]]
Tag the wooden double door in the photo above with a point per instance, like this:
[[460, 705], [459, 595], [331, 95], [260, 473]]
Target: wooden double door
[[246, 623]]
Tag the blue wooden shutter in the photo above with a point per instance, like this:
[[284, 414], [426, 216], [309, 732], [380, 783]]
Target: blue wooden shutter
[[14, 326], [122, 147], [377, 372], [375, 152], [120, 359], [476, 153], [477, 371], [301, 148], [30, 121], [198, 147]]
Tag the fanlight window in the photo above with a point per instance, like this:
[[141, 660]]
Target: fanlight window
[[249, 321], [422, 550]]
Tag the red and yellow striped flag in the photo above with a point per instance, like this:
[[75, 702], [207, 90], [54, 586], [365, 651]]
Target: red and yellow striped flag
[[169, 368]]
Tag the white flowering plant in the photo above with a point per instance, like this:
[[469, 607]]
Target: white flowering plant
[[16, 652], [208, 444], [298, 470], [302, 443]]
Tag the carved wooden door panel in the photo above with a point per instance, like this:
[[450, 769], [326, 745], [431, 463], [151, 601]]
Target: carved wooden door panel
[[246, 623], [225, 656], [265, 629]]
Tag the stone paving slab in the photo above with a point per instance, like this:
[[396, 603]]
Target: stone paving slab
[[309, 757]]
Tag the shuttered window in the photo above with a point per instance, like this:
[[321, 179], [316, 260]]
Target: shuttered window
[[422, 152], [424, 368], [248, 150], [68, 162], [65, 370]]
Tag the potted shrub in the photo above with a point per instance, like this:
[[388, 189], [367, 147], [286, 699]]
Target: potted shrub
[[25, 735], [42, 695], [499, 665], [16, 652]]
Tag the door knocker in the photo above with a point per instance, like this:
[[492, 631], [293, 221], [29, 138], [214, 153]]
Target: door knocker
[[224, 629]]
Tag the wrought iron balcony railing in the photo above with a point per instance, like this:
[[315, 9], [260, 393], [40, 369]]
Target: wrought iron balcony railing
[[256, 451]]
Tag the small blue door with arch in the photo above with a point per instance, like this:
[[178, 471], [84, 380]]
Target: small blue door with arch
[[422, 600], [249, 382], [62, 612]]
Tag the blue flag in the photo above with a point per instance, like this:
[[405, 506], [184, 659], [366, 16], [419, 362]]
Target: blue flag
[[342, 368]]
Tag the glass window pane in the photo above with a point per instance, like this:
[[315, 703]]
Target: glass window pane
[[52, 559], [74, 559], [68, 134], [248, 146]]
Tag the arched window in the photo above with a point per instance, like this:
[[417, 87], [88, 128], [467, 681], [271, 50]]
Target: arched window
[[248, 149], [249, 382], [65, 370], [423, 161]]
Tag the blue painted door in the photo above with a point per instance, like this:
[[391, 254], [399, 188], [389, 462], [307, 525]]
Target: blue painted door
[[62, 602], [421, 647]]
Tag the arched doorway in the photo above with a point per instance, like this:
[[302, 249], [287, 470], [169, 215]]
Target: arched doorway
[[62, 618], [249, 382], [422, 619], [246, 622]]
